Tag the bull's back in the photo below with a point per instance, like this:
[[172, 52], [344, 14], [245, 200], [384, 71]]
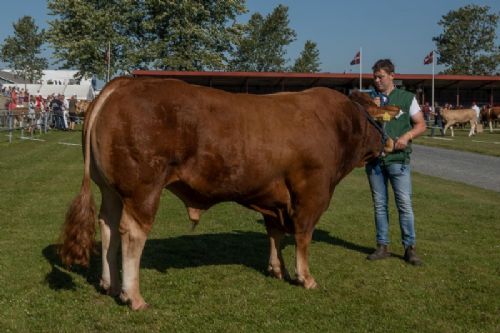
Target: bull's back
[[459, 115], [153, 130]]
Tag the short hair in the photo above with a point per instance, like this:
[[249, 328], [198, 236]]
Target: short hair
[[385, 64]]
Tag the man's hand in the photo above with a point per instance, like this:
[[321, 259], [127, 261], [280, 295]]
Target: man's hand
[[376, 100], [402, 142]]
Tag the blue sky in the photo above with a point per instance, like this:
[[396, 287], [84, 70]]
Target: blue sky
[[398, 29]]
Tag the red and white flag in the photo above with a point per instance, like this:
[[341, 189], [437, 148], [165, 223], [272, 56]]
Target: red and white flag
[[357, 59], [429, 58]]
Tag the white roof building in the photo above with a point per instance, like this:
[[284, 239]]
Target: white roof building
[[58, 82], [62, 76]]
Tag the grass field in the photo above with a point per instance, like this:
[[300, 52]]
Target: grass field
[[214, 280], [483, 143]]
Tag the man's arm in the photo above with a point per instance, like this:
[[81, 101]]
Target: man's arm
[[418, 127]]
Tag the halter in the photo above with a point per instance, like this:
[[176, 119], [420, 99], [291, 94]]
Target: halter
[[380, 129]]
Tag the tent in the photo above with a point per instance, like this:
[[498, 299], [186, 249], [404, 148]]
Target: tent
[[85, 92], [33, 89], [49, 89]]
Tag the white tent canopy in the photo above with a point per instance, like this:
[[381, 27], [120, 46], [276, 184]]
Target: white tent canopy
[[85, 91], [81, 91], [47, 90], [31, 88], [62, 76]]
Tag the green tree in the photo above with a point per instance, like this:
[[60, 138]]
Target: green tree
[[188, 35], [262, 47], [22, 51], [308, 60], [148, 34], [83, 32], [467, 44]]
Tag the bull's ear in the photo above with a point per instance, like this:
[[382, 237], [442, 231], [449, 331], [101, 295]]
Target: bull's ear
[[362, 98], [383, 113]]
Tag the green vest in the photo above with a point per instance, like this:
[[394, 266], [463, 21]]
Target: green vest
[[397, 127]]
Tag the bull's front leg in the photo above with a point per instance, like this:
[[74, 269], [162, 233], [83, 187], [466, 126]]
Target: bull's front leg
[[472, 129], [276, 266], [304, 278]]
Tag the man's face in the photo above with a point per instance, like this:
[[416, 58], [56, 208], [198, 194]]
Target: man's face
[[383, 81]]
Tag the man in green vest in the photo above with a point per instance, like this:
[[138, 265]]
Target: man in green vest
[[395, 167]]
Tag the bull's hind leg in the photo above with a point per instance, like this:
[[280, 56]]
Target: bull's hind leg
[[276, 263], [133, 240], [109, 219], [136, 221]]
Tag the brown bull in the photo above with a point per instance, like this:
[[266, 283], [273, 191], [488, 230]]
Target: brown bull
[[491, 114], [82, 106], [281, 155]]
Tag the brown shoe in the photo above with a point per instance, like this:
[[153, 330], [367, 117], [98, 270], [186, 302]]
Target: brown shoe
[[381, 252], [411, 256]]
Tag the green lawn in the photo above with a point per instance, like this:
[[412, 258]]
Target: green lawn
[[214, 280], [483, 143]]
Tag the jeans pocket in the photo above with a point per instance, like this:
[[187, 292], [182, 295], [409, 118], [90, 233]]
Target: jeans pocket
[[405, 168], [396, 170]]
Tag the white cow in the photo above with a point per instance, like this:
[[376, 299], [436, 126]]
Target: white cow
[[452, 117]]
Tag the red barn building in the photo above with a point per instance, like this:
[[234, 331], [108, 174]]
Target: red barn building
[[454, 89]]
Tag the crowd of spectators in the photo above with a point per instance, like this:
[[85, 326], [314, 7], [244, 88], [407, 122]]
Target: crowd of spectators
[[55, 111]]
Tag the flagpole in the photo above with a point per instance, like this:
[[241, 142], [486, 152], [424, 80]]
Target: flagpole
[[108, 58], [433, 109], [360, 68]]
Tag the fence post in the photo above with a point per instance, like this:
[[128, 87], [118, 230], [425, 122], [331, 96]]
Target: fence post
[[9, 120]]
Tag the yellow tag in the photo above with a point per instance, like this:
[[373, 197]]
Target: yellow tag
[[386, 117]]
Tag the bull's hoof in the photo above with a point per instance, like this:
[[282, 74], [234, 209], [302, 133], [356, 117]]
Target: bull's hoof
[[139, 307], [108, 290], [308, 283], [137, 304], [280, 274]]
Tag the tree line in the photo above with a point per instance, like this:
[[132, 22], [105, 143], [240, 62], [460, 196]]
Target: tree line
[[118, 36]]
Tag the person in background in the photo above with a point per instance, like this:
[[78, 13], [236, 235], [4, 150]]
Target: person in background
[[56, 108], [476, 108], [31, 115], [13, 99], [72, 113], [65, 112], [395, 167], [426, 109], [438, 120]]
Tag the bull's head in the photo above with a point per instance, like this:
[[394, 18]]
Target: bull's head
[[382, 113]]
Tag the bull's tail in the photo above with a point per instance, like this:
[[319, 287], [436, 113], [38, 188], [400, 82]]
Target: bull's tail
[[79, 228], [80, 224]]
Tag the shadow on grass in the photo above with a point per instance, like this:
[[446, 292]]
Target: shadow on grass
[[59, 278], [324, 236], [246, 248]]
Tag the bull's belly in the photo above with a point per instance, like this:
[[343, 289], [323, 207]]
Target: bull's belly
[[265, 199]]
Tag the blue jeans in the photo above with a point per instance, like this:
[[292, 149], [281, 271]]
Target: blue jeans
[[400, 177]]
